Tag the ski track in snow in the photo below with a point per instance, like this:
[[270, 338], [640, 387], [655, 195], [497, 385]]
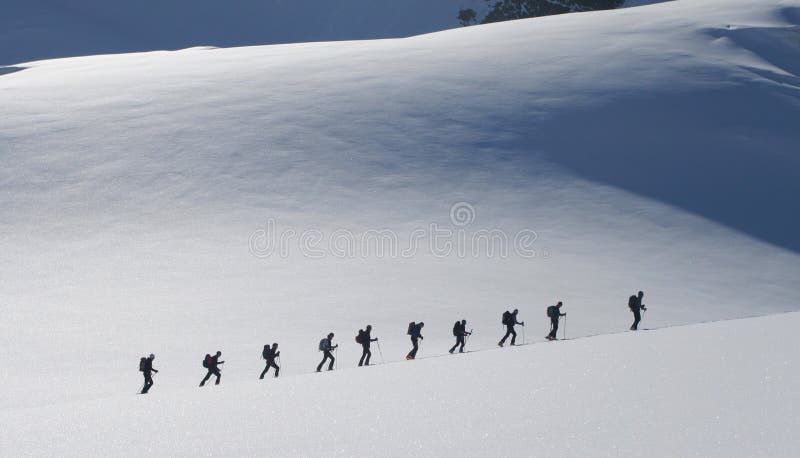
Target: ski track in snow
[[713, 389]]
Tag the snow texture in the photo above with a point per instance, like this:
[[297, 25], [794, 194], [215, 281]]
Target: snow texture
[[649, 148], [722, 389]]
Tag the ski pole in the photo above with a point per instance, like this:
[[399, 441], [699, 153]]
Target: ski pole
[[565, 327], [523, 334], [379, 349], [336, 360]]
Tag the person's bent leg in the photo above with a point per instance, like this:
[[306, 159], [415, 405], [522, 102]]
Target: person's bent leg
[[148, 382], [463, 341], [264, 372], [369, 355], [513, 335], [333, 360], [205, 379], [503, 340], [219, 376]]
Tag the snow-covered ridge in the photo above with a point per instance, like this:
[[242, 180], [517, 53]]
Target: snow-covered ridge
[[662, 158], [39, 29]]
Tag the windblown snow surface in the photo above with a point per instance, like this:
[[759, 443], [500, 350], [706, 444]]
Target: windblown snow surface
[[648, 148]]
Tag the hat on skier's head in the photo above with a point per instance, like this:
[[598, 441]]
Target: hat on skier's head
[[152, 356]]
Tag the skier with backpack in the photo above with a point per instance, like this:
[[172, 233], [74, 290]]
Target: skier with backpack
[[211, 363], [269, 354], [326, 346], [510, 320], [364, 338], [460, 331], [554, 313], [415, 331], [636, 306], [146, 368]]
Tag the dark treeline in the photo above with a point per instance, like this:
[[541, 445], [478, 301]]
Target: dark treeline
[[506, 10]]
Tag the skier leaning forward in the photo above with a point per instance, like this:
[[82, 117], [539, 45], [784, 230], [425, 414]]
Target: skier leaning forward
[[460, 331], [415, 331], [146, 367], [554, 313], [269, 354], [326, 346], [510, 320], [636, 306], [365, 338], [212, 364]]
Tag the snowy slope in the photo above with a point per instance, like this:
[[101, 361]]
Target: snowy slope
[[661, 157], [713, 390], [40, 29]]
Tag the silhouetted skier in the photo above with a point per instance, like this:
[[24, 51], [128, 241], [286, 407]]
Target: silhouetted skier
[[212, 364], [415, 331], [364, 338], [636, 306], [146, 368], [510, 320], [554, 312], [460, 331], [326, 346], [269, 354]]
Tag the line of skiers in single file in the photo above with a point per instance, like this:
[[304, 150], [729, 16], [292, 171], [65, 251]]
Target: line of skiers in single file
[[271, 354]]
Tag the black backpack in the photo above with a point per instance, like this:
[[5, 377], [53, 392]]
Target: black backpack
[[207, 361], [457, 329], [507, 317], [143, 364], [633, 302], [266, 353], [552, 311], [411, 327], [360, 337]]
